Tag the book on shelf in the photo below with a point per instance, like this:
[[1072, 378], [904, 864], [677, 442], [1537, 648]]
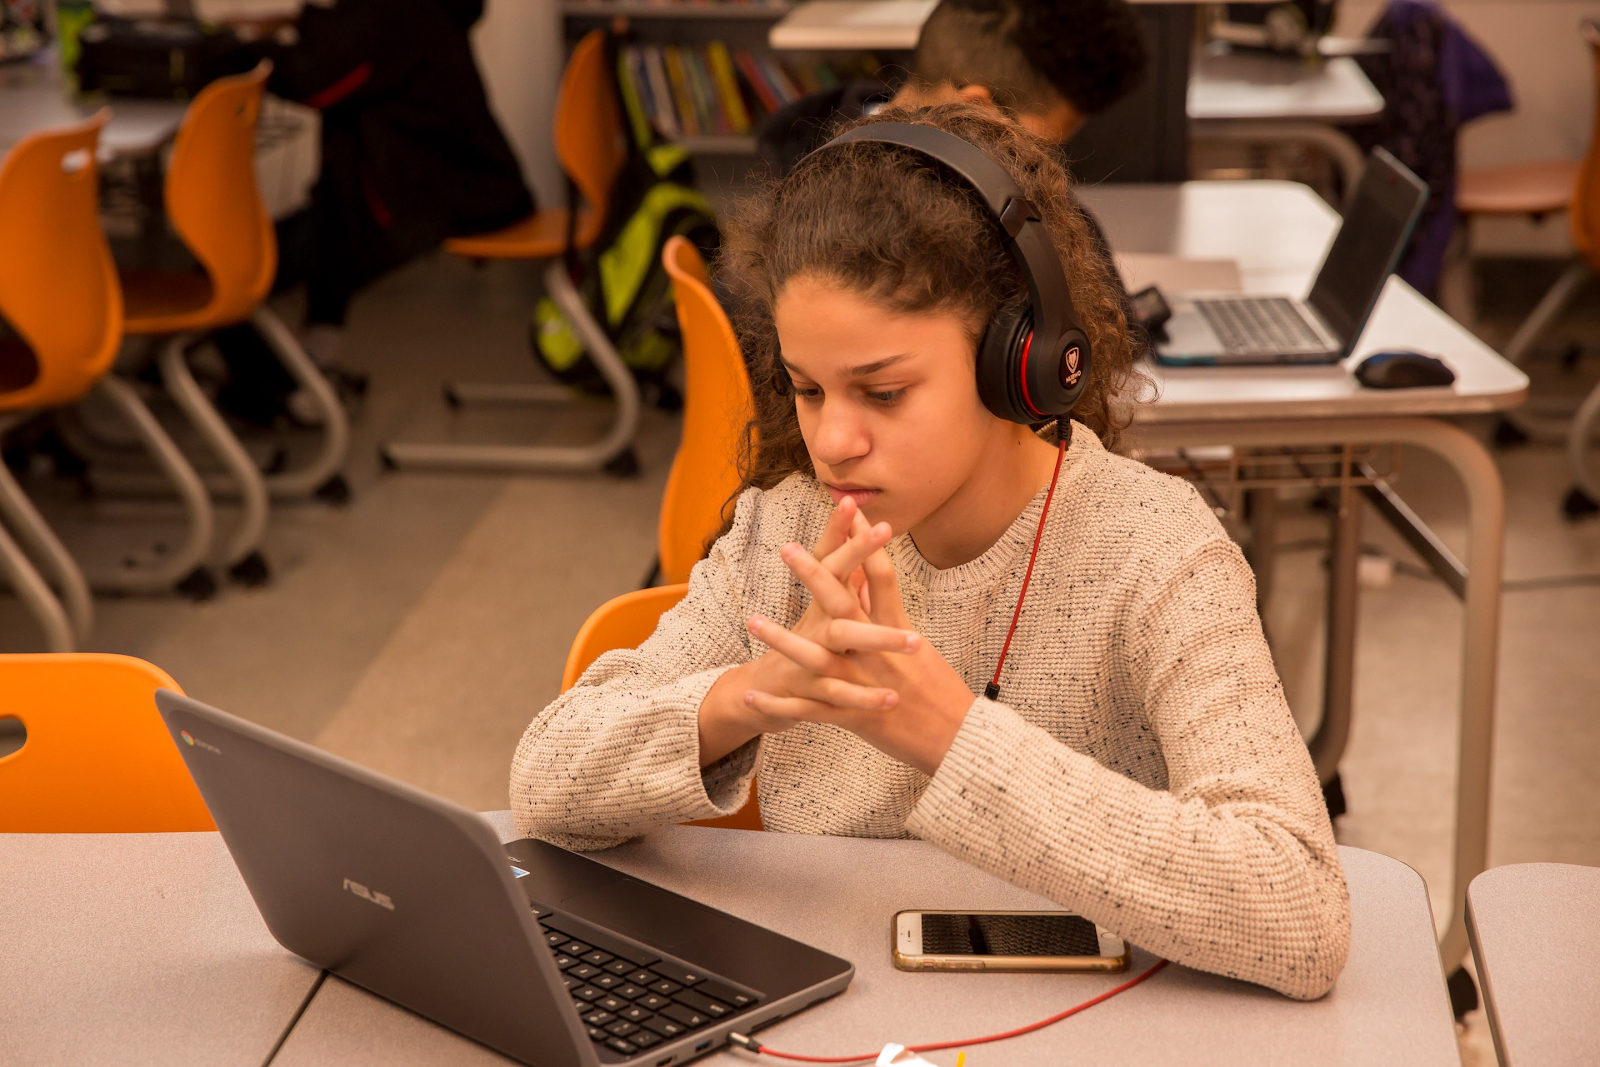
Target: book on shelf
[[694, 91]]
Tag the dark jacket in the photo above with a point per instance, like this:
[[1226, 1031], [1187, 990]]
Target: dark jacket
[[411, 153]]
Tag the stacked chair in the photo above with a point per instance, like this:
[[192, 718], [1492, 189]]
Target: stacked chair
[[1536, 190], [215, 209], [591, 145], [59, 292]]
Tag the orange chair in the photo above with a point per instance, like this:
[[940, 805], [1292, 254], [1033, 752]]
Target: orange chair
[[97, 758], [215, 208], [1535, 190], [590, 143], [625, 622], [58, 292], [717, 407]]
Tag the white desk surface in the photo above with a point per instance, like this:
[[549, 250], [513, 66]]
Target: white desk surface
[[1243, 85], [32, 98], [1536, 937], [1278, 233], [839, 894], [137, 949]]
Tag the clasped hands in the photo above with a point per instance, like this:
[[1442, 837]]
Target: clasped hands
[[853, 659]]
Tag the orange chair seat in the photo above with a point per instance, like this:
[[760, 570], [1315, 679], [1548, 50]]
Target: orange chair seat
[[542, 235], [1525, 189], [165, 301]]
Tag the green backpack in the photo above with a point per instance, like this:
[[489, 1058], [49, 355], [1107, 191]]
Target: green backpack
[[621, 278]]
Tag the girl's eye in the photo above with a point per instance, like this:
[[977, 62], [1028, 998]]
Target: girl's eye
[[809, 392], [892, 396]]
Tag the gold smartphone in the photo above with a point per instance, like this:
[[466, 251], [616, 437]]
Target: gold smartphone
[[1004, 941]]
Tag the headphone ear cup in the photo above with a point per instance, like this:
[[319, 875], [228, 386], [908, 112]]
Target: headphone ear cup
[[1000, 364]]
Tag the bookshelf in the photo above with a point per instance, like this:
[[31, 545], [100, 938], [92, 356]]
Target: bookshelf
[[702, 69]]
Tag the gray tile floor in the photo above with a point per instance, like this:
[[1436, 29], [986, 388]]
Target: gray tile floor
[[419, 628]]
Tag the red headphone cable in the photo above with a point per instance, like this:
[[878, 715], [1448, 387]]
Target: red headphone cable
[[992, 690], [752, 1045]]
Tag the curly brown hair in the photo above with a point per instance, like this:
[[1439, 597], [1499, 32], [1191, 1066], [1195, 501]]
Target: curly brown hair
[[884, 221]]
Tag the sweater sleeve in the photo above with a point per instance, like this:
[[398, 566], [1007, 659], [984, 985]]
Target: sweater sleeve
[[1231, 869], [618, 754]]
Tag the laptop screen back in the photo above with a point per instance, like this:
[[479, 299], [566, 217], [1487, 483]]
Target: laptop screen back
[[1383, 211]]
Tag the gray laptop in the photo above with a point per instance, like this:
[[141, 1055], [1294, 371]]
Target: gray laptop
[[1235, 328], [537, 952]]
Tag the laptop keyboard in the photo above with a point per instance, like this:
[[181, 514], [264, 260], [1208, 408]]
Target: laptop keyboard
[[631, 999], [1260, 325]]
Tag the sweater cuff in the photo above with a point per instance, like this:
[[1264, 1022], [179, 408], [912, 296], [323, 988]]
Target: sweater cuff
[[724, 785]]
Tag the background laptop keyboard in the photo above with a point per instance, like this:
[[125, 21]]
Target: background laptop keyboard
[[1264, 325], [631, 999]]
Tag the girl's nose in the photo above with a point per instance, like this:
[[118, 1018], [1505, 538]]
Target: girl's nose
[[839, 434]]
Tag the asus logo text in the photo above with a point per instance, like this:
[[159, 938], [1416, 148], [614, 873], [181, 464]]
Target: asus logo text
[[380, 899]]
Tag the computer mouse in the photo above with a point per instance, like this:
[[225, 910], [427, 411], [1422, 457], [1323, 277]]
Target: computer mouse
[[1403, 370]]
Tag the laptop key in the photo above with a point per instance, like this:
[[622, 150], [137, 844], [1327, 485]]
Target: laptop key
[[611, 1003], [653, 1001], [665, 1027], [641, 977], [621, 1028], [637, 955], [585, 971], [629, 991], [622, 1045], [665, 988], [555, 937], [685, 1015], [564, 961], [572, 983], [606, 981], [619, 967], [598, 958], [588, 992], [644, 1038], [725, 993], [599, 1018], [681, 975], [634, 1014], [597, 1034], [576, 948], [705, 1005]]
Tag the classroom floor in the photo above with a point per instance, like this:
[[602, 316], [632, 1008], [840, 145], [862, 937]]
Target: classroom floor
[[418, 629]]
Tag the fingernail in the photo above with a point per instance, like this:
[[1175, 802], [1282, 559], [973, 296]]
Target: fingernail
[[882, 530], [891, 698], [750, 697], [754, 623], [788, 550], [911, 642]]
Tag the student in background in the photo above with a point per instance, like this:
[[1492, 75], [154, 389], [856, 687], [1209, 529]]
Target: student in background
[[1049, 63], [411, 155], [1133, 758]]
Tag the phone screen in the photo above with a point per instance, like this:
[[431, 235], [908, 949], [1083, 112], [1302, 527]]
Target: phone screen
[[1008, 935]]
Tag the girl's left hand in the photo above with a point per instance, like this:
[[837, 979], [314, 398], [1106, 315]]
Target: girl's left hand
[[933, 700]]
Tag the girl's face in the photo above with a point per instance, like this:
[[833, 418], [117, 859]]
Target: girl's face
[[888, 401]]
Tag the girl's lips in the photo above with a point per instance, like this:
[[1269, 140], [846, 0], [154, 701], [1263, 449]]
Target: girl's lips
[[861, 496]]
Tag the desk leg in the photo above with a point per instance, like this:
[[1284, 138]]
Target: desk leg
[[1480, 645], [1338, 668], [1263, 553], [1345, 153]]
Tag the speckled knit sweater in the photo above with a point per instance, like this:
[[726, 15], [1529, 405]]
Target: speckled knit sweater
[[1141, 767]]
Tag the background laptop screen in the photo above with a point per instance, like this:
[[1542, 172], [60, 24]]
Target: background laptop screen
[[1369, 243]]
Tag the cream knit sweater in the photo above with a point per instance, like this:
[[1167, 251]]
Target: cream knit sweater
[[1140, 767]]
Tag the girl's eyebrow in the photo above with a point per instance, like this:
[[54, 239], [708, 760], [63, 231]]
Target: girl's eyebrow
[[861, 371]]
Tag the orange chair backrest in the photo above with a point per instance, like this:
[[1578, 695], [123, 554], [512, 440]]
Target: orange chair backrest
[[212, 198], [1584, 216], [716, 410], [625, 622], [98, 758], [591, 141], [58, 283]]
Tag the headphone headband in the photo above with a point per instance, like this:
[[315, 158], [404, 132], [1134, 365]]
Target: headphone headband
[[1051, 333]]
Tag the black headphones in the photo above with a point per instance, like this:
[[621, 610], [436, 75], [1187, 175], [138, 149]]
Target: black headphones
[[1033, 363]]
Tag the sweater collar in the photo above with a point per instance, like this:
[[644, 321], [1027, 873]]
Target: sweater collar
[[1001, 557]]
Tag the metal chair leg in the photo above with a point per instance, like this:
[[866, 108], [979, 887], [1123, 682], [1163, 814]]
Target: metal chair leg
[[243, 549], [613, 451], [306, 480], [35, 592], [184, 568], [1546, 311], [47, 551], [1584, 425]]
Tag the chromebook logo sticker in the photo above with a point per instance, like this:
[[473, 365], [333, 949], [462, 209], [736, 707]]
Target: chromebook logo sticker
[[189, 739]]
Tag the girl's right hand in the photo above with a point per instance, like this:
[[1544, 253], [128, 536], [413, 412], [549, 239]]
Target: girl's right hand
[[726, 718]]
